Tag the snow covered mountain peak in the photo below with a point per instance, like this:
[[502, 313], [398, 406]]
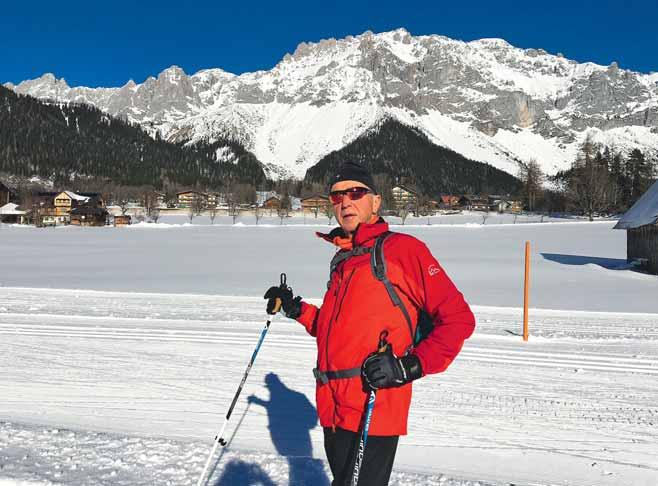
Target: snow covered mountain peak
[[485, 99], [45, 86]]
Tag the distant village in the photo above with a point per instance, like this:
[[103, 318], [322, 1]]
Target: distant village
[[48, 209], [45, 209]]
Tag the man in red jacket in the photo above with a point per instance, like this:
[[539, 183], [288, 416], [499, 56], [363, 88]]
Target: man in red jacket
[[356, 309]]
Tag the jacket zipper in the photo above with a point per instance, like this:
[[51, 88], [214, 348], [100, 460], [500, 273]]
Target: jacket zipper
[[335, 314], [340, 304]]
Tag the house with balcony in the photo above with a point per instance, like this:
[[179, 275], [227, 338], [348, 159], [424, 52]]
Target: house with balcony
[[404, 196], [188, 199]]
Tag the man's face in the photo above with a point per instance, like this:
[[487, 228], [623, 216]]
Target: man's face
[[350, 213]]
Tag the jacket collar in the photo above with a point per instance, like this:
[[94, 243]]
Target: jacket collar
[[364, 233]]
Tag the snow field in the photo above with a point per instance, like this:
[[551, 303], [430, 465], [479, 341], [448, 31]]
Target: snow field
[[127, 381], [154, 380], [575, 265]]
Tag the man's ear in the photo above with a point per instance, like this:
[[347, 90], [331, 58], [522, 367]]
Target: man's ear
[[376, 203]]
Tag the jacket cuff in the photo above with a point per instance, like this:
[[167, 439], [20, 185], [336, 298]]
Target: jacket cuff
[[412, 367]]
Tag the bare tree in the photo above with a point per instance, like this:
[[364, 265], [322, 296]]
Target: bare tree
[[122, 199], [212, 212], [284, 209], [234, 210], [148, 198], [151, 203], [198, 204], [328, 211], [123, 196], [312, 189], [258, 213], [403, 213], [231, 198], [190, 212], [245, 194], [588, 184], [282, 213]]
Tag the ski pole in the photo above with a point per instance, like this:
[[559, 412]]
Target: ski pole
[[367, 416], [219, 438]]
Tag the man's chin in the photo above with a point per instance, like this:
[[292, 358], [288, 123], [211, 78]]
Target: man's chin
[[349, 226]]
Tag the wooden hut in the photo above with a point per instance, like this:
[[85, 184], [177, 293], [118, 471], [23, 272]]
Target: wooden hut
[[88, 216], [9, 213], [272, 203], [641, 225], [122, 220], [315, 204]]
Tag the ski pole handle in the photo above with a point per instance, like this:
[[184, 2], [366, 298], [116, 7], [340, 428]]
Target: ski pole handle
[[277, 301]]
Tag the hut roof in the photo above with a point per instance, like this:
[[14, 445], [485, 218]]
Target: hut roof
[[11, 209], [643, 212]]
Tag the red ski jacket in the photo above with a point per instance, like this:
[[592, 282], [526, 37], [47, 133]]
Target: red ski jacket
[[357, 308]]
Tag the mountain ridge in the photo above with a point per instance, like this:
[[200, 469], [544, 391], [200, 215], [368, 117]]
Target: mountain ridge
[[485, 99]]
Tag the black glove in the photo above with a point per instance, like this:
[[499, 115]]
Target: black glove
[[385, 370], [292, 306]]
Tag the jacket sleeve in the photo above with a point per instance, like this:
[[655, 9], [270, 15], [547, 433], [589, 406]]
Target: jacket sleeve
[[432, 290], [309, 317]]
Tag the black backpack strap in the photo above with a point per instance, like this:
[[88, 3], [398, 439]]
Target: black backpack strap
[[378, 266], [344, 255]]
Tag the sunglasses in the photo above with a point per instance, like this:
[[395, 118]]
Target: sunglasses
[[353, 193]]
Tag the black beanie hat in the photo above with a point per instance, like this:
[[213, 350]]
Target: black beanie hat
[[351, 171]]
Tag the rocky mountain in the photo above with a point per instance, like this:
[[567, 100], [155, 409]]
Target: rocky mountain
[[486, 100]]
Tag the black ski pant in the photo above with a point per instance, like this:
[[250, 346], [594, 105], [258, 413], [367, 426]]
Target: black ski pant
[[340, 447]]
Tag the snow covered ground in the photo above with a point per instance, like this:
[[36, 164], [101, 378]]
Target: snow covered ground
[[576, 265], [126, 382]]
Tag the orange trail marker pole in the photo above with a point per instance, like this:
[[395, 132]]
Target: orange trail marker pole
[[526, 288]]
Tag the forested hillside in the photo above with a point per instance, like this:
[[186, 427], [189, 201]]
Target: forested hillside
[[60, 142]]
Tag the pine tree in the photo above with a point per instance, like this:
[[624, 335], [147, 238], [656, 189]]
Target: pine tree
[[532, 179], [618, 180], [640, 175]]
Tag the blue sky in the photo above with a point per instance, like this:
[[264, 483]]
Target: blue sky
[[105, 44]]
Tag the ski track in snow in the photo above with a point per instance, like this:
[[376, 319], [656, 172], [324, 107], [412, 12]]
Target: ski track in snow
[[118, 388]]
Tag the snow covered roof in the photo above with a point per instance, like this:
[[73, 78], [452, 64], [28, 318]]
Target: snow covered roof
[[643, 212], [75, 196], [11, 209], [262, 196], [295, 203]]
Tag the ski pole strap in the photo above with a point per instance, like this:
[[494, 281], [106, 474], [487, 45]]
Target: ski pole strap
[[323, 377]]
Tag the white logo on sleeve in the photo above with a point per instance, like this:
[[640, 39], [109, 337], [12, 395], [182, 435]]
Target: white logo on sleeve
[[433, 270]]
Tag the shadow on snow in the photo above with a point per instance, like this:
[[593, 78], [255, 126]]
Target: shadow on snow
[[608, 263], [291, 417]]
